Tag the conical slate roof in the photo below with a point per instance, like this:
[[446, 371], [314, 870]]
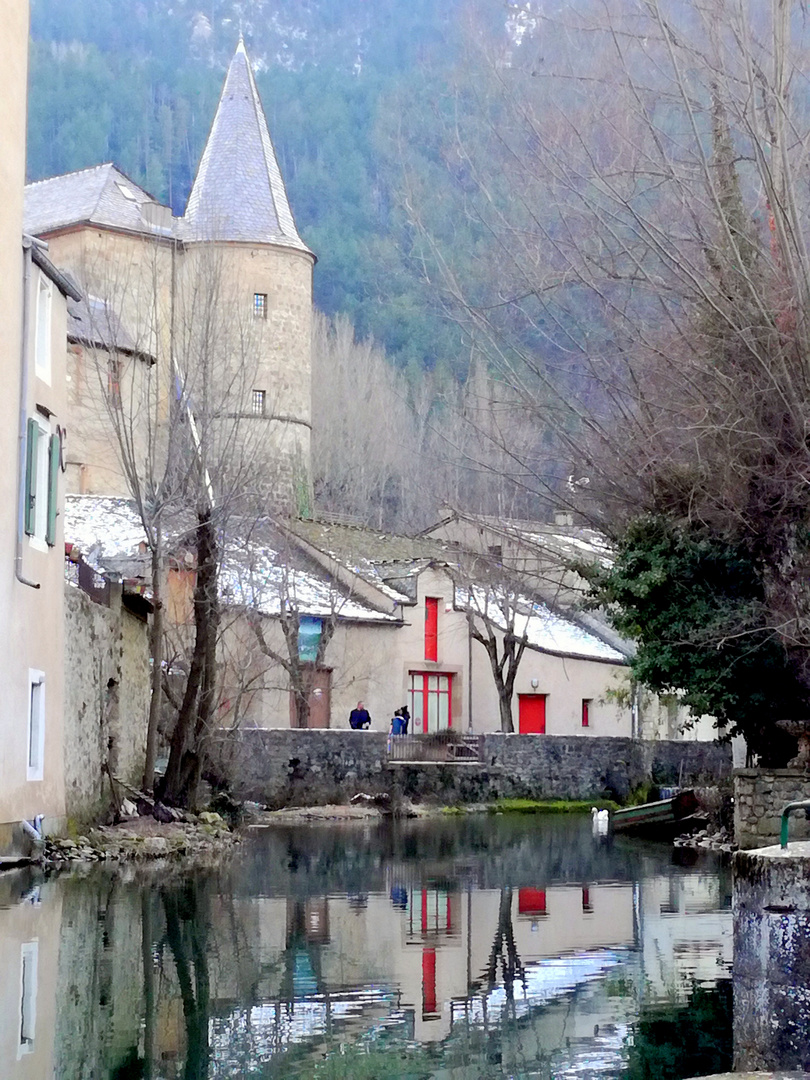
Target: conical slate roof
[[238, 193]]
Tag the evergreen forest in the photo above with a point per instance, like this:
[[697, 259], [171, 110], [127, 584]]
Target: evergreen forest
[[341, 80]]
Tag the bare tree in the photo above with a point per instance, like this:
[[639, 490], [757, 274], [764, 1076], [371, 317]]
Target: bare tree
[[194, 457], [637, 171]]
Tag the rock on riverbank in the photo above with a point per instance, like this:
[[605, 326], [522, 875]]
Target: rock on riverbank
[[142, 838]]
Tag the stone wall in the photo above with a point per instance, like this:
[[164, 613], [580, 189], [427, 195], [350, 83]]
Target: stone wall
[[106, 699], [771, 959], [760, 795], [284, 767]]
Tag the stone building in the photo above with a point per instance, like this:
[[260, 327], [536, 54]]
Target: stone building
[[220, 299]]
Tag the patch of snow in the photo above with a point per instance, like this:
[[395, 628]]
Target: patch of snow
[[264, 583], [543, 628], [111, 528]]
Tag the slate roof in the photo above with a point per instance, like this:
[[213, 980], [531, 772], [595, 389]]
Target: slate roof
[[238, 193], [102, 195], [93, 322]]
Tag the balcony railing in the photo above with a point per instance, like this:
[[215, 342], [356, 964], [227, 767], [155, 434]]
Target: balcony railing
[[447, 748]]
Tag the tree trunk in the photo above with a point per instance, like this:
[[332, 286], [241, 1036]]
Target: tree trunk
[[187, 744], [505, 709], [156, 649]]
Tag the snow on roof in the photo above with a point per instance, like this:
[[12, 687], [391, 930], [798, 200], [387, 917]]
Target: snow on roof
[[574, 544], [544, 629], [107, 528], [265, 582]]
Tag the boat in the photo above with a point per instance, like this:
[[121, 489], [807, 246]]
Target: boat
[[662, 819]]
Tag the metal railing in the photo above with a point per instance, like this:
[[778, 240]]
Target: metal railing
[[447, 748], [803, 805]]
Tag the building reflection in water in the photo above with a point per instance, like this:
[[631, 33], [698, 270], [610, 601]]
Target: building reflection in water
[[236, 970]]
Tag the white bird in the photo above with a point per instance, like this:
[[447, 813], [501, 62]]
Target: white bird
[[601, 821]]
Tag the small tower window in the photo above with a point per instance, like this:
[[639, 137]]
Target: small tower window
[[260, 305], [259, 398]]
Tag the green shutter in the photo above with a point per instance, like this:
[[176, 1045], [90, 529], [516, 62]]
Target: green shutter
[[31, 447], [54, 447]]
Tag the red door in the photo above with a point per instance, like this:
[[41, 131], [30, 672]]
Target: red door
[[531, 901], [532, 714]]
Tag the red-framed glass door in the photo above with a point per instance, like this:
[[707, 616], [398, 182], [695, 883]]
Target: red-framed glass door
[[431, 701]]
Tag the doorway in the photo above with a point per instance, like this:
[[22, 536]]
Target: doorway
[[320, 700], [532, 714]]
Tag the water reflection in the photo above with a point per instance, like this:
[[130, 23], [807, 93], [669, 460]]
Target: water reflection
[[489, 947]]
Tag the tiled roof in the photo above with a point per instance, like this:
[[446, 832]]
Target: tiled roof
[[102, 195], [389, 562], [238, 193]]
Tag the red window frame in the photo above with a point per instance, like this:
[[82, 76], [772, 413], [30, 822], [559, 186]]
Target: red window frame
[[431, 628], [423, 688], [586, 712]]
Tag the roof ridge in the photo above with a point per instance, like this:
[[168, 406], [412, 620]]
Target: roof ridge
[[74, 172]]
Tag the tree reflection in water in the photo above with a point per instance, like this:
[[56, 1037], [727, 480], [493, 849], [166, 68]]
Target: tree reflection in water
[[471, 947], [185, 910]]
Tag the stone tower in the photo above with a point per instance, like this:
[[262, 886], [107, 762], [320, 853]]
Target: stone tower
[[225, 289], [238, 227]]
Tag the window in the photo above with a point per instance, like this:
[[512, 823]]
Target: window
[[28, 997], [42, 362], [430, 705], [260, 305], [586, 712], [128, 193], [43, 452], [431, 628], [259, 400], [36, 724]]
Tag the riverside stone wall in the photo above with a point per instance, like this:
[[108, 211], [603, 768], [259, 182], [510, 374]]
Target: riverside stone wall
[[106, 699], [760, 795], [288, 767], [771, 959]]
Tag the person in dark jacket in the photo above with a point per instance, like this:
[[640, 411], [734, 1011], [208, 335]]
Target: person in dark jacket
[[359, 718], [406, 719]]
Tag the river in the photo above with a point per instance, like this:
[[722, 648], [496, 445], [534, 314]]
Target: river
[[462, 948]]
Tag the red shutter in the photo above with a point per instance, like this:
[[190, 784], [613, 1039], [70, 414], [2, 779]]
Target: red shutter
[[586, 712], [431, 628]]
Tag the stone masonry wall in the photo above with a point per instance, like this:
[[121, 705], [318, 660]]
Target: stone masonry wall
[[771, 908], [288, 767], [760, 795], [106, 699]]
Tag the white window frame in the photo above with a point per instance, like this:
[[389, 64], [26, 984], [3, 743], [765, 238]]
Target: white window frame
[[43, 343], [35, 759], [29, 961], [37, 538]]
